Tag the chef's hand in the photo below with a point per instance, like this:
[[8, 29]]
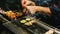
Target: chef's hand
[[30, 3], [26, 3], [31, 9], [43, 10]]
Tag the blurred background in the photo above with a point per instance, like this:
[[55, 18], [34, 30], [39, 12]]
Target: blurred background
[[15, 4]]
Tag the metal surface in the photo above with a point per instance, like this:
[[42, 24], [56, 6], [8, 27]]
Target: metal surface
[[14, 28], [18, 30]]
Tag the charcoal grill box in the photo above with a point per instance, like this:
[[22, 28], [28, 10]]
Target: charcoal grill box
[[43, 27]]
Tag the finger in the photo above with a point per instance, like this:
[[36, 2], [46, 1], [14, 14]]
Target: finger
[[31, 9]]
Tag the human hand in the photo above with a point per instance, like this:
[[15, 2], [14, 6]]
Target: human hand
[[32, 9], [26, 3]]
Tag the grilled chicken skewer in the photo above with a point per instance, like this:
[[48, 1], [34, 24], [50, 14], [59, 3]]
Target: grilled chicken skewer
[[11, 14]]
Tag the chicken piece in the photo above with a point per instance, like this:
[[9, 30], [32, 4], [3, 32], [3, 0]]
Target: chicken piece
[[10, 14], [33, 21], [30, 23], [23, 21], [18, 14], [28, 19]]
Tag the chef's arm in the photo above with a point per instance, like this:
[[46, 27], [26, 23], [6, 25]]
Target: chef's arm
[[34, 9]]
